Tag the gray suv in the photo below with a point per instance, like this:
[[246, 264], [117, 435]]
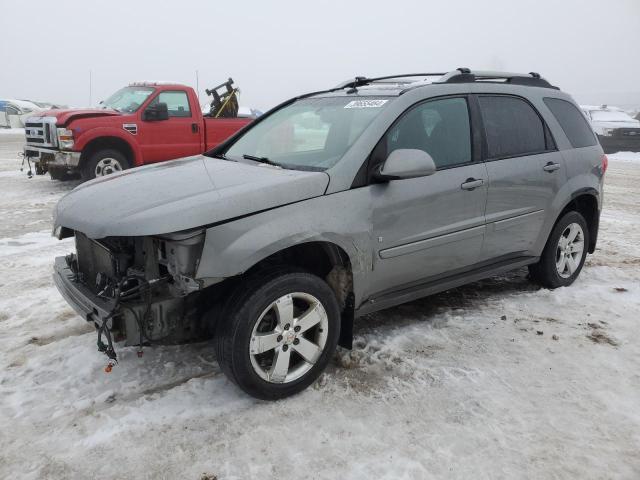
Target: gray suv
[[333, 205]]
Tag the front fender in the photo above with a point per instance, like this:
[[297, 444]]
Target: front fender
[[86, 137], [343, 219]]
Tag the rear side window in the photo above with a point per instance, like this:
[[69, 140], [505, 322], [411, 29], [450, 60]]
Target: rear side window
[[513, 128], [573, 123]]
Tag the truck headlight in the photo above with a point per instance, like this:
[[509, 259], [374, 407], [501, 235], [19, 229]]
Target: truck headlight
[[607, 132], [65, 138]]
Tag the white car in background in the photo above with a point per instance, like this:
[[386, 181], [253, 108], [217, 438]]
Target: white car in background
[[14, 112], [616, 129]]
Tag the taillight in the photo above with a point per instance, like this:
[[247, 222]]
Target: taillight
[[605, 163]]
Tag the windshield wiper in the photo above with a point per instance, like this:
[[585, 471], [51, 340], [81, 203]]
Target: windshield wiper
[[223, 157], [260, 160]]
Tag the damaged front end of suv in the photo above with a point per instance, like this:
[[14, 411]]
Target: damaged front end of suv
[[140, 287], [157, 269]]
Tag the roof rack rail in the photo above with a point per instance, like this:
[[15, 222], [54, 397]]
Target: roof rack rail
[[360, 81], [466, 75]]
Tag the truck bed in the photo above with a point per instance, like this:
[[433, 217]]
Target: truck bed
[[219, 129]]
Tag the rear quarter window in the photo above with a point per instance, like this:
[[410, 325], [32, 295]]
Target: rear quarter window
[[573, 123]]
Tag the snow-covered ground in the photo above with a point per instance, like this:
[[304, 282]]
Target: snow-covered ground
[[11, 131], [498, 379]]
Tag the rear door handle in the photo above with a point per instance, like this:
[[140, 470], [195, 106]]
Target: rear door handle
[[472, 183], [551, 167]]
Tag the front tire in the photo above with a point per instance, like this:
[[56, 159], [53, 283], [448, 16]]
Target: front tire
[[564, 254], [278, 333], [103, 162]]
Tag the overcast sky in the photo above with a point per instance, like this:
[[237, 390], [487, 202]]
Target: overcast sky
[[277, 49]]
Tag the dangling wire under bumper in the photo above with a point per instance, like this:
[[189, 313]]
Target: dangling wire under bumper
[[141, 291]]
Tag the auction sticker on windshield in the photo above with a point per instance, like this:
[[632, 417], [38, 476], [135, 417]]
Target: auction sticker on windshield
[[365, 103]]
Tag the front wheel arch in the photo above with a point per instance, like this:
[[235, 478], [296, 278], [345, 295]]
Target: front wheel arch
[[108, 143], [238, 320]]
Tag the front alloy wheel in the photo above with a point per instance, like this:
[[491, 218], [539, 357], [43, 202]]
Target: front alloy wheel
[[288, 338], [103, 162], [278, 332], [107, 166]]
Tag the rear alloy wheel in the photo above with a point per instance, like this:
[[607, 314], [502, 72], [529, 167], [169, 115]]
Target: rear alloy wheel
[[569, 250], [278, 333], [104, 162], [564, 254]]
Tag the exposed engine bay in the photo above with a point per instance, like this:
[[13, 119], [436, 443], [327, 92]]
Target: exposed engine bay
[[148, 285]]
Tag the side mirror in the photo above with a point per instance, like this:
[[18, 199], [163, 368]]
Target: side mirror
[[155, 112], [406, 163]]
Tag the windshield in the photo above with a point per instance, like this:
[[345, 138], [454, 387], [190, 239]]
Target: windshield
[[607, 116], [128, 99], [309, 134]]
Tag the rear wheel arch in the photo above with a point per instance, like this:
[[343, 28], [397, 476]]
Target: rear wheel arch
[[586, 203]]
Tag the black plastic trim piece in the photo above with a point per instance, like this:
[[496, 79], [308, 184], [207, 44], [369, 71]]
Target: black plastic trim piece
[[437, 285]]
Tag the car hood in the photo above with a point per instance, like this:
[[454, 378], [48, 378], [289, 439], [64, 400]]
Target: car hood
[[180, 195], [63, 117]]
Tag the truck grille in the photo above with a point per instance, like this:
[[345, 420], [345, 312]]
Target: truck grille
[[41, 131], [630, 133]]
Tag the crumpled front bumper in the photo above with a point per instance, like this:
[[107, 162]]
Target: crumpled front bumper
[[50, 157], [88, 305]]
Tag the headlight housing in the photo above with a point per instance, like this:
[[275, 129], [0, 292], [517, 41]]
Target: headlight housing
[[65, 138], [607, 132]]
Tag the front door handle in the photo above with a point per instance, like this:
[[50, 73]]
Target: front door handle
[[194, 127], [472, 183], [551, 167]]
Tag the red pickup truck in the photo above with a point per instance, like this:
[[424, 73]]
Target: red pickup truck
[[142, 123]]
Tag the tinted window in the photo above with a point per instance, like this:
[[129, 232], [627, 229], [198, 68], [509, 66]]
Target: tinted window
[[440, 127], [512, 126], [573, 123], [177, 103]]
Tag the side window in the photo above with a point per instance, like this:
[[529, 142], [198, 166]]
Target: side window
[[439, 127], [575, 126], [513, 128], [177, 103]]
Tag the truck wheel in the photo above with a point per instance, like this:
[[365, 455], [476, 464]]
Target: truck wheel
[[103, 162], [564, 254], [278, 333]]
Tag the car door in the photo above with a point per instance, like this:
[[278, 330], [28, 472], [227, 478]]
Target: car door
[[429, 226], [524, 169], [178, 136]]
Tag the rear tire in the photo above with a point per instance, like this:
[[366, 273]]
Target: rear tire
[[102, 163], [564, 254], [277, 333]]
